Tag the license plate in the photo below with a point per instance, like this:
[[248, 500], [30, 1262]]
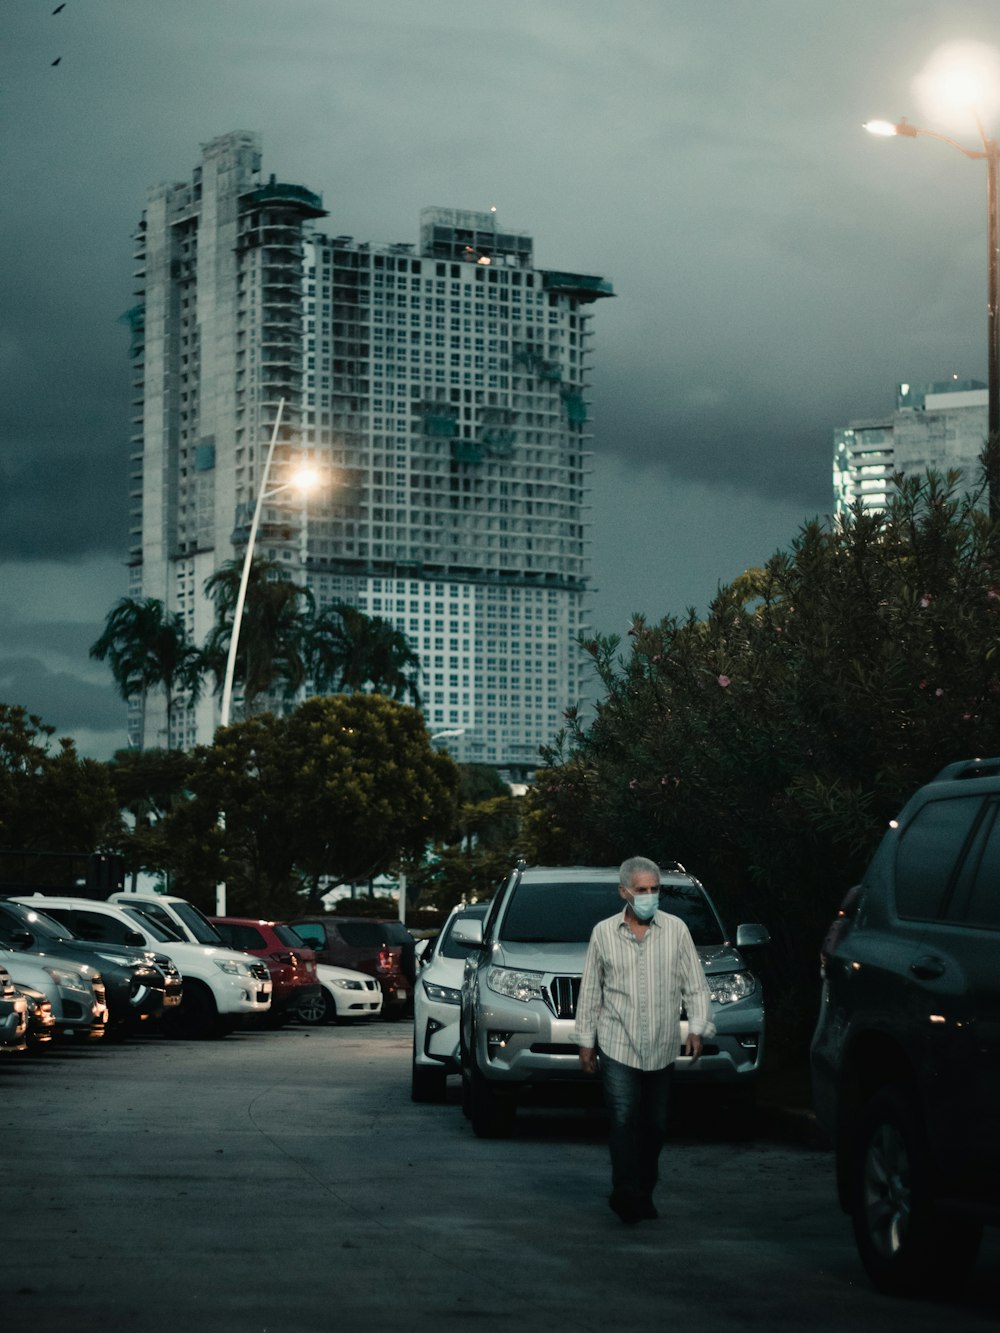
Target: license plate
[[168, 1000]]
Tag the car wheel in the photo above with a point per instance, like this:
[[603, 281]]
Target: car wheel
[[319, 1009], [428, 1083], [196, 1015], [906, 1245], [491, 1111]]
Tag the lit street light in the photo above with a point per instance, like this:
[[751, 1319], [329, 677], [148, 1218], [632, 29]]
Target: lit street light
[[988, 154], [304, 480]]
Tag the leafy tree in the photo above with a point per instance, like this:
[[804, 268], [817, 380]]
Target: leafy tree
[[767, 745], [350, 650], [51, 801], [148, 784], [147, 648], [271, 654], [340, 788]]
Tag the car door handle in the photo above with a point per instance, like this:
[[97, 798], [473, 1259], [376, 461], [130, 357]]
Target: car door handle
[[928, 967]]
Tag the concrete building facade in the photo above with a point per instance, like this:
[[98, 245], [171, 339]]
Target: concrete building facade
[[440, 387], [940, 426]]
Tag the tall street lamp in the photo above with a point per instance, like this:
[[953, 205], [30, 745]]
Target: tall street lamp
[[304, 480], [989, 154]]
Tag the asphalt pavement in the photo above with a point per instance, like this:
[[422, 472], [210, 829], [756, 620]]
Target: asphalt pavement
[[283, 1182]]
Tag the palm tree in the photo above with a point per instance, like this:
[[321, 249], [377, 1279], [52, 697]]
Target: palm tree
[[273, 633], [147, 648], [350, 650]]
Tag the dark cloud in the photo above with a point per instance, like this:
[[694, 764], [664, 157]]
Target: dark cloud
[[778, 271], [61, 698]]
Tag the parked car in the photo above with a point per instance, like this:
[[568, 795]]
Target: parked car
[[437, 1009], [13, 1015], [41, 1020], [291, 963], [522, 983], [140, 984], [222, 988], [343, 995], [75, 991], [176, 915], [382, 948], [906, 1052]]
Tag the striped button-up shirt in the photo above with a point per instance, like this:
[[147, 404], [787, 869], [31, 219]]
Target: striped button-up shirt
[[632, 991]]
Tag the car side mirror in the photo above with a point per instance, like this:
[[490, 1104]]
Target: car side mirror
[[468, 932], [134, 940], [751, 936]]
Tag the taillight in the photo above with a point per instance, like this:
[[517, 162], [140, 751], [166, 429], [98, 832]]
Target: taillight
[[388, 959]]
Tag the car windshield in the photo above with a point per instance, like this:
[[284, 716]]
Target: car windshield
[[40, 923], [154, 928], [554, 911], [198, 924]]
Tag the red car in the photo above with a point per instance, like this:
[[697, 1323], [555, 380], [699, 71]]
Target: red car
[[292, 963]]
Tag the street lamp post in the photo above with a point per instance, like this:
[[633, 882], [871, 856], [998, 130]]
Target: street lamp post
[[990, 154], [304, 482]]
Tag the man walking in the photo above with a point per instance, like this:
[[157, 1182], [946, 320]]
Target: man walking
[[641, 965]]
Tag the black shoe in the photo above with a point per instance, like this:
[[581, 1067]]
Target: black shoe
[[626, 1208], [647, 1210]]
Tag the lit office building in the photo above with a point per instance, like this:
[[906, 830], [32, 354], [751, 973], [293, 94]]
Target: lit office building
[[440, 386]]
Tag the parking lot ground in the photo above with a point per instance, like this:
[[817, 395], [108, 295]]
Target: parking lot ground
[[283, 1182]]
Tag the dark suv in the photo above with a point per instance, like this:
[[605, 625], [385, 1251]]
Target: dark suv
[[383, 949], [906, 1053]]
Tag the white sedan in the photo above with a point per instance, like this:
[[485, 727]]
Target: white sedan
[[343, 994]]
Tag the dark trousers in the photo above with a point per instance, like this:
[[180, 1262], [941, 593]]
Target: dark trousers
[[639, 1103]]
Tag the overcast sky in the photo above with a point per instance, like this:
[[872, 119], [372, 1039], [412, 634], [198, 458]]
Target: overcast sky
[[777, 270]]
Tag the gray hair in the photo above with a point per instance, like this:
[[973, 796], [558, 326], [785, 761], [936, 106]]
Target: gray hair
[[636, 865]]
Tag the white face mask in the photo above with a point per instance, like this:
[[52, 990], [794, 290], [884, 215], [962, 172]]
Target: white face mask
[[644, 905]]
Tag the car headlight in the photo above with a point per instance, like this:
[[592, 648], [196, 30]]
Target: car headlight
[[69, 980], [727, 987], [231, 966], [119, 959], [514, 984], [443, 994], [343, 984]]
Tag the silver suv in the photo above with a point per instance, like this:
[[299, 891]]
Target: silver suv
[[522, 982]]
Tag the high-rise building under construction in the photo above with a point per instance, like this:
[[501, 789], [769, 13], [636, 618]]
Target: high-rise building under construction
[[441, 389]]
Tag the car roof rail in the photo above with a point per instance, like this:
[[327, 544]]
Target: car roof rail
[[968, 768]]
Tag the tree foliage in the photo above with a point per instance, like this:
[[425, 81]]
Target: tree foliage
[[341, 788], [147, 648], [51, 799], [766, 745], [350, 650]]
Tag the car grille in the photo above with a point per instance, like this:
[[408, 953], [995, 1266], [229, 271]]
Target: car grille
[[564, 992], [260, 971], [100, 994]]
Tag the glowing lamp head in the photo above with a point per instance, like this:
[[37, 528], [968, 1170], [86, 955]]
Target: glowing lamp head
[[305, 478], [884, 128]]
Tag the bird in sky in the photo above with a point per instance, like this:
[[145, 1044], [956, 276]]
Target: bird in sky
[[57, 59], [58, 9]]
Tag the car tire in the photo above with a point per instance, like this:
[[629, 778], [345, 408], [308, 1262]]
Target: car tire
[[490, 1111], [428, 1083], [320, 1009], [197, 1015], [907, 1246]]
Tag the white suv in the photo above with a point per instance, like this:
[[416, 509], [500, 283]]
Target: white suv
[[222, 988]]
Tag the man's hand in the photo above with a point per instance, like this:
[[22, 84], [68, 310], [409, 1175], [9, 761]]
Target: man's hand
[[588, 1059], [692, 1046]]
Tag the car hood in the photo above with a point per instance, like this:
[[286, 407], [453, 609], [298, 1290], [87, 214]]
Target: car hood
[[328, 972], [720, 958], [569, 958]]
